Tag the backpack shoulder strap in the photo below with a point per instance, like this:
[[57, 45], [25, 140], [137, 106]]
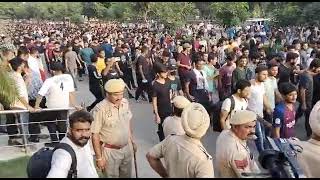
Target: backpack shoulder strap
[[232, 104], [73, 170]]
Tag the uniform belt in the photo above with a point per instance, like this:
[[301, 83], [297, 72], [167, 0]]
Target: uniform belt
[[113, 146]]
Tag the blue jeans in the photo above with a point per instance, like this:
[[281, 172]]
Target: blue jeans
[[260, 133], [24, 118]]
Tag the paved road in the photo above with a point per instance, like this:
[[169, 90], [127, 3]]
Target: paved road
[[144, 131]]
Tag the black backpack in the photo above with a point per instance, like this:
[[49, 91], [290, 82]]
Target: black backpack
[[216, 126], [39, 164]]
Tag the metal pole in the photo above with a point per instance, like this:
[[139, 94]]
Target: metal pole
[[42, 110], [24, 139]]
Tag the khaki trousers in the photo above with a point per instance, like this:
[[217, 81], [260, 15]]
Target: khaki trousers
[[119, 162]]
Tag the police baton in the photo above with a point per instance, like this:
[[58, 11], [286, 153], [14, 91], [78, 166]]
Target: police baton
[[135, 162]]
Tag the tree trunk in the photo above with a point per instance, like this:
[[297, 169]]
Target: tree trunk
[[145, 16]]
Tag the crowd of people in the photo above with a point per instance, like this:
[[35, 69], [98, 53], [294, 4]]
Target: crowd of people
[[192, 80]]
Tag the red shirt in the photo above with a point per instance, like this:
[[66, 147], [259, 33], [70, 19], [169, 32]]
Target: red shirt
[[184, 60]]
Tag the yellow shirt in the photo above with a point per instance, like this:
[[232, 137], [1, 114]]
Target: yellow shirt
[[101, 65]]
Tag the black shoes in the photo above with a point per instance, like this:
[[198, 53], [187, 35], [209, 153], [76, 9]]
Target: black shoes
[[34, 140], [13, 142]]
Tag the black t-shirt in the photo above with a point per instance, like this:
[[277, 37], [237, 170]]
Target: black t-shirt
[[162, 92], [306, 82], [285, 74], [77, 48], [192, 78], [40, 49], [94, 78], [145, 68], [96, 49], [316, 89], [124, 61]]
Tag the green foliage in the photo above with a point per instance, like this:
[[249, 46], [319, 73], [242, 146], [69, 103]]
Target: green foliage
[[204, 9], [287, 14], [76, 18], [311, 13], [143, 8], [89, 9], [230, 13], [172, 14], [121, 11], [293, 13]]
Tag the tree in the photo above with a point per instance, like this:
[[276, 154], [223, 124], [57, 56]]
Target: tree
[[287, 14], [121, 11], [89, 9], [311, 13], [204, 9], [230, 13], [105, 4], [143, 8], [172, 14]]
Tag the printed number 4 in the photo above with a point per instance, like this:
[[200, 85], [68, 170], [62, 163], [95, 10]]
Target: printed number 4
[[61, 86]]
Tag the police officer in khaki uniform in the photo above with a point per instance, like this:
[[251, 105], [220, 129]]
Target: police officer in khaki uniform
[[111, 132], [172, 124], [309, 159], [233, 154], [184, 155]]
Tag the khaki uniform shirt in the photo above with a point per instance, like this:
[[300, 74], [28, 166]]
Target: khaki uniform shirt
[[112, 123], [172, 125], [184, 157], [309, 159], [233, 156]]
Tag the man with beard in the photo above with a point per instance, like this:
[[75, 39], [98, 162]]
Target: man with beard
[[286, 69], [306, 92], [112, 132], [232, 152], [77, 137], [258, 101]]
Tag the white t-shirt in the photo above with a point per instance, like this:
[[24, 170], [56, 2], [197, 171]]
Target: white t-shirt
[[255, 101], [239, 104], [57, 89], [270, 86], [61, 162], [34, 64]]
